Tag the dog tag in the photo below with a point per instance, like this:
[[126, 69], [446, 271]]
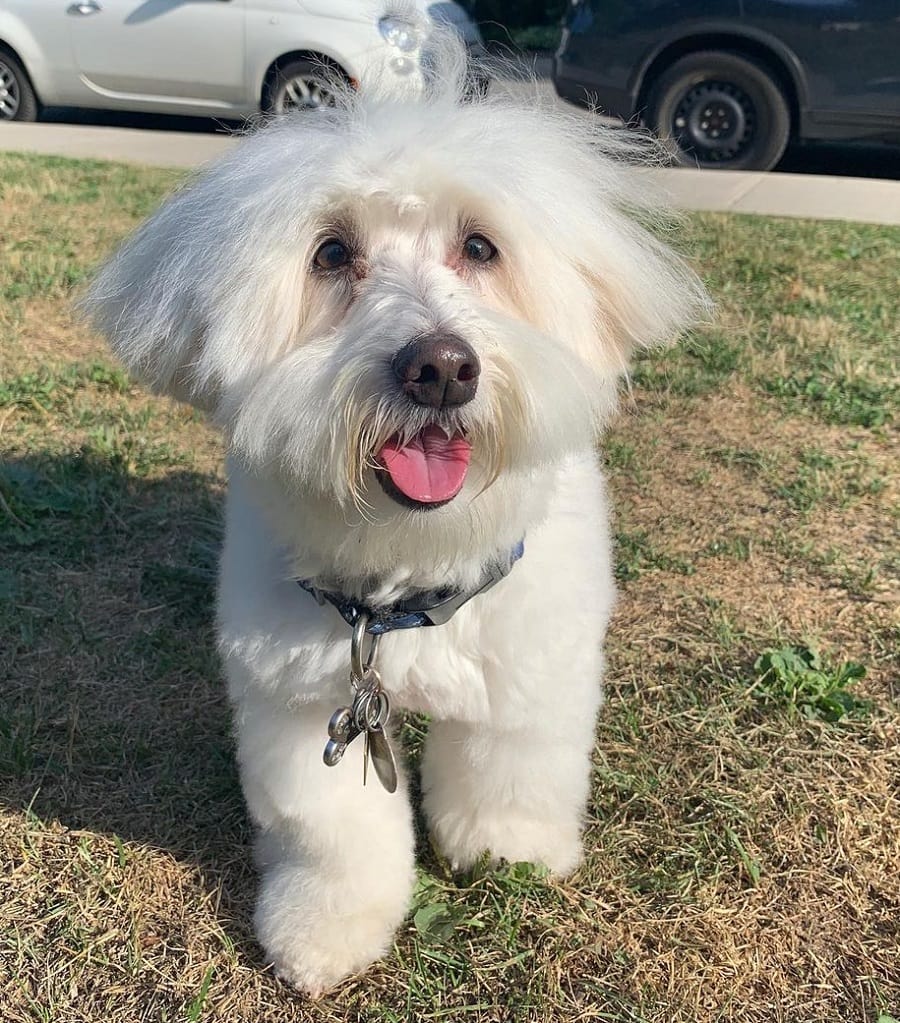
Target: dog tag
[[383, 758], [371, 710], [366, 716]]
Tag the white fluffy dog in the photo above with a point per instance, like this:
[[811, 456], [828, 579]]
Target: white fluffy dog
[[408, 318]]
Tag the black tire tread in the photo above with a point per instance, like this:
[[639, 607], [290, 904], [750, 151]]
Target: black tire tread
[[29, 107], [295, 66], [750, 73]]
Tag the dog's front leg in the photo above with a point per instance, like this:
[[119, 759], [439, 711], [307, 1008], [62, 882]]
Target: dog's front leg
[[517, 792], [336, 857]]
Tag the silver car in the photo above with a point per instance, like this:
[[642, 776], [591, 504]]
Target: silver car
[[222, 58]]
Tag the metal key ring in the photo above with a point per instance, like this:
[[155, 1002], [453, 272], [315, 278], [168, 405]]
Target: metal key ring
[[381, 704], [359, 663], [371, 709], [362, 709]]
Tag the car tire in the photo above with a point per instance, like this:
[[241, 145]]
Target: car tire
[[720, 110], [18, 101], [298, 85]]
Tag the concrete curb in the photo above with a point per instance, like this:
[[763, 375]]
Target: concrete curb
[[816, 196], [869, 200], [125, 145]]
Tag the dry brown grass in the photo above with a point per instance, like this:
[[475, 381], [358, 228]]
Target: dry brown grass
[[743, 858]]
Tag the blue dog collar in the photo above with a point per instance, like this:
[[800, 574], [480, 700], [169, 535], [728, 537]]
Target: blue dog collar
[[422, 608]]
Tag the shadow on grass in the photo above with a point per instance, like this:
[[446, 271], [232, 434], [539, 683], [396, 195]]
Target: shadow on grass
[[113, 716]]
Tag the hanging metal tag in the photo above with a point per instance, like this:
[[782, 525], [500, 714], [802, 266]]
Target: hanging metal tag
[[367, 715]]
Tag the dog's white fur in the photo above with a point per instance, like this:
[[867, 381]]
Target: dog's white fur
[[215, 301]]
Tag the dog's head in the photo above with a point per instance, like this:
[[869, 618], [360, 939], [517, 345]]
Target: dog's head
[[401, 306]]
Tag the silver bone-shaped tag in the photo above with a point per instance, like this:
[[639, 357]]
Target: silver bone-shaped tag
[[341, 732]]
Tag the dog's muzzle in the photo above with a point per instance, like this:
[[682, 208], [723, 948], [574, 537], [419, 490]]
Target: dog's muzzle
[[437, 370], [427, 469]]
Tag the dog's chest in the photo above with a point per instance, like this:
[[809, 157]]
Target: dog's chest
[[438, 671]]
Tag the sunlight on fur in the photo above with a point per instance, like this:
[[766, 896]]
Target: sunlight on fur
[[409, 316]]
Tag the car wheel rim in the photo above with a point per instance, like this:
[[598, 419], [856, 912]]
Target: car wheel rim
[[9, 93], [715, 122], [301, 93]]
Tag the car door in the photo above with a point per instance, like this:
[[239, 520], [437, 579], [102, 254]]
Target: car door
[[850, 50], [161, 54]]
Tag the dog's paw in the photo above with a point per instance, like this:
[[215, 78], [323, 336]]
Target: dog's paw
[[316, 959], [314, 934], [464, 839]]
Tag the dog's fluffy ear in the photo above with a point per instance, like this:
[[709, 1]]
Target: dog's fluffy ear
[[588, 228], [210, 286], [145, 304], [644, 293], [603, 217]]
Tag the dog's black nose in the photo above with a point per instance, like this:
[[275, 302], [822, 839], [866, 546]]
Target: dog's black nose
[[439, 370]]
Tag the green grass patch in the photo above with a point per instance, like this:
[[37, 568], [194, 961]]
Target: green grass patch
[[636, 554], [844, 401], [721, 794], [702, 364], [45, 389]]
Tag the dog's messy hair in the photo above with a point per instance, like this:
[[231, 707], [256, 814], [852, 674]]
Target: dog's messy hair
[[212, 286]]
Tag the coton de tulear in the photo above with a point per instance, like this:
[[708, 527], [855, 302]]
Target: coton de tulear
[[408, 316]]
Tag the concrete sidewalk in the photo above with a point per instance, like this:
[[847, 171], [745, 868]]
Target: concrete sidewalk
[[871, 200], [125, 145], [817, 196]]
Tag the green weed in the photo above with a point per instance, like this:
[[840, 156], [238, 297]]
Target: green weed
[[619, 454], [737, 548], [798, 679], [749, 459]]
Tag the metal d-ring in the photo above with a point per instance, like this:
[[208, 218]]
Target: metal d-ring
[[360, 664]]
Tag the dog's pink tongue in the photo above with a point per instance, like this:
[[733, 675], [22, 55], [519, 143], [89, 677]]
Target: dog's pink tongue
[[429, 468]]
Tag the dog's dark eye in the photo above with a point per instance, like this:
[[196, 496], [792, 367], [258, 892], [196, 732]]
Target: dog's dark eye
[[478, 249], [332, 255]]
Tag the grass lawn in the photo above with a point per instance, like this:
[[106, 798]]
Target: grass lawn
[[743, 838]]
